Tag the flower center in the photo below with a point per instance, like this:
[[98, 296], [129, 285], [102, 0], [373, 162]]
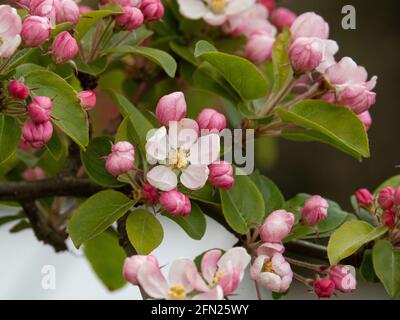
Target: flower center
[[217, 6], [177, 292], [267, 267], [178, 159], [217, 278]]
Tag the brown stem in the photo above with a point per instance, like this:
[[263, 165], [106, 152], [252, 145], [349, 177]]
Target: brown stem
[[307, 282], [307, 265]]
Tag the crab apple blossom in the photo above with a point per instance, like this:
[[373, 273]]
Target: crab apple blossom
[[364, 198], [152, 9], [225, 270], [272, 272], [183, 282], [40, 109], [389, 218], [308, 25], [386, 197], [214, 12], [276, 226], [212, 120], [315, 210], [37, 134], [366, 119], [283, 17], [181, 151], [10, 29], [133, 264], [221, 175], [175, 203], [18, 90], [87, 99], [131, 18], [67, 11], [342, 278], [149, 194], [259, 47], [171, 107], [33, 174], [121, 159], [35, 31], [324, 288], [64, 47]]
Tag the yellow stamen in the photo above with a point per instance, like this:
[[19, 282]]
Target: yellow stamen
[[178, 159], [217, 278], [217, 6], [177, 292], [267, 267]]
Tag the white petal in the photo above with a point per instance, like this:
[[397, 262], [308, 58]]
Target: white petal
[[214, 294], [236, 6], [152, 281], [162, 178], [206, 150], [236, 257], [195, 177], [270, 281], [9, 46], [215, 19], [157, 145], [209, 264], [183, 133], [192, 9], [184, 271]]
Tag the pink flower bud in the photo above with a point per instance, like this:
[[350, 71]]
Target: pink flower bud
[[259, 47], [87, 99], [84, 9], [329, 97], [18, 90], [397, 197], [357, 98], [171, 107], [315, 210], [324, 288], [67, 11], [150, 194], [37, 134], [306, 54], [364, 198], [121, 159], [389, 218], [152, 9], [33, 174], [132, 18], [64, 47], [309, 24], [276, 226], [212, 120], [282, 17], [342, 278], [40, 109], [35, 31], [366, 119], [175, 203], [221, 175], [269, 4], [386, 197], [44, 8], [133, 264]]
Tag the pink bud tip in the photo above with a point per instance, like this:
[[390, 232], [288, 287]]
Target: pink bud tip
[[324, 288], [386, 198], [309, 25], [389, 218], [343, 278], [306, 54], [35, 173], [35, 31], [171, 107], [131, 19], [40, 109], [37, 134], [282, 17], [175, 203], [67, 11], [150, 194], [121, 159], [315, 210], [212, 120], [152, 9], [64, 47], [277, 226], [221, 175], [364, 198], [259, 47], [18, 90], [87, 99], [366, 119]]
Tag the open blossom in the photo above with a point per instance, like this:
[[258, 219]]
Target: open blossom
[[277, 226], [214, 12], [259, 47], [315, 210], [308, 25], [269, 249], [18, 90], [181, 151], [343, 278], [121, 159], [225, 271], [131, 18], [67, 11], [211, 120], [37, 134], [64, 47], [183, 280], [272, 272], [35, 31], [40, 109], [133, 264], [171, 107], [324, 288], [221, 175], [10, 29], [176, 203]]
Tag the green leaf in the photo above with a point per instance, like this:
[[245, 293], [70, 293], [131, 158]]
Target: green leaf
[[7, 219], [88, 20], [94, 162], [184, 52], [202, 47], [273, 197], [393, 182], [350, 237], [144, 231], [53, 159], [207, 195], [67, 112], [93, 68], [241, 74], [367, 268], [336, 125], [282, 69], [65, 26], [242, 205], [386, 262], [96, 214], [162, 58], [194, 224], [106, 257], [10, 134]]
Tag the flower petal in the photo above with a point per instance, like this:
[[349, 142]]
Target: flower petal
[[192, 9], [237, 6], [184, 271], [215, 19], [236, 257], [270, 281], [162, 178], [183, 133], [195, 177], [206, 150], [214, 294], [157, 144], [209, 264], [153, 281]]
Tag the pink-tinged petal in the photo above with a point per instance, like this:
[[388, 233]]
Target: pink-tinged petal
[[152, 281], [9, 46], [280, 265], [346, 71], [230, 282], [209, 264], [162, 178], [184, 271], [195, 177], [269, 249], [238, 6], [214, 294], [157, 144], [371, 84], [206, 150], [192, 9], [236, 257], [257, 266], [270, 281], [183, 133]]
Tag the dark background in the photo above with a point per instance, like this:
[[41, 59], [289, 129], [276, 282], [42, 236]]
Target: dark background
[[375, 44]]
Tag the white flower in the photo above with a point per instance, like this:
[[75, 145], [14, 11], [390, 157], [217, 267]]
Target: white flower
[[214, 12], [181, 152], [10, 29]]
